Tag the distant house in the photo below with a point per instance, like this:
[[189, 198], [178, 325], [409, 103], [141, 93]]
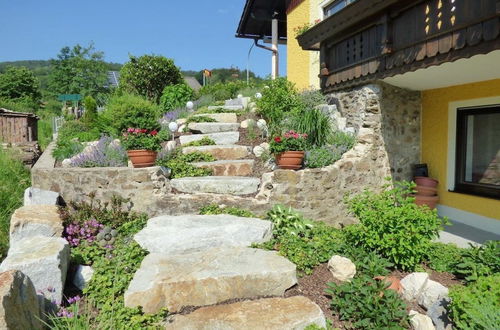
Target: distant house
[[193, 83]]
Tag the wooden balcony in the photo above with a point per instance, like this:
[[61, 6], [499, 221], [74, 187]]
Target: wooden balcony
[[375, 39]]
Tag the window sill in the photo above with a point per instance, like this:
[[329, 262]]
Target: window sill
[[491, 195]]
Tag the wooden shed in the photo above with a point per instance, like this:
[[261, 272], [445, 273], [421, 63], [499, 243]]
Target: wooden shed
[[17, 127]]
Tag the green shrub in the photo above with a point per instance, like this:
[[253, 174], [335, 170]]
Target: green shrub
[[311, 98], [368, 304], [367, 263], [205, 141], [392, 225], [66, 149], [476, 306], [90, 115], [44, 132], [125, 111], [315, 123], [321, 157], [222, 91], [277, 103], [443, 257], [175, 96], [70, 136], [342, 141], [476, 262], [214, 209], [14, 179], [180, 164]]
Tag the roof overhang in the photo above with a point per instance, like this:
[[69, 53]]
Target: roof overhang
[[255, 22]]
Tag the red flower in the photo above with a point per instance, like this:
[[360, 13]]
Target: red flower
[[154, 132], [277, 139], [144, 130]]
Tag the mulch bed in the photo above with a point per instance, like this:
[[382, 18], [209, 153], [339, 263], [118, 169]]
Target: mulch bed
[[313, 287]]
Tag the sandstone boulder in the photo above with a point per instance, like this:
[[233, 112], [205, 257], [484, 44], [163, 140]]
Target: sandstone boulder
[[44, 260], [272, 313], [35, 220], [247, 123], [208, 277], [188, 233], [342, 269], [19, 307]]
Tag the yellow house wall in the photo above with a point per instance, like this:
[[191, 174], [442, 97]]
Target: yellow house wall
[[435, 105], [298, 60]]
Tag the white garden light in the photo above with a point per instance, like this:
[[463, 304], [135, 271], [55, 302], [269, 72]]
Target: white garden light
[[258, 95], [190, 105], [172, 126]]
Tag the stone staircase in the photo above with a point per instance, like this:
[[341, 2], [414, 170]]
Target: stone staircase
[[203, 263], [233, 169]]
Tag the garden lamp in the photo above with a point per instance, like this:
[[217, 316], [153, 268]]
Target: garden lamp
[[190, 105], [172, 126]]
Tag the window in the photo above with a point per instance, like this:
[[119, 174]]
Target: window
[[478, 151], [335, 6]]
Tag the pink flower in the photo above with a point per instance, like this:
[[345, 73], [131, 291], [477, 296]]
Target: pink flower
[[155, 132], [277, 139], [130, 130]]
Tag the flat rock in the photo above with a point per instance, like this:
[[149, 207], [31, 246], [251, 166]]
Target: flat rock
[[44, 260], [221, 152], [208, 277], [191, 233], [213, 127], [271, 313], [342, 268], [219, 138], [420, 321], [19, 307], [228, 117], [243, 167], [35, 220], [413, 284], [230, 185], [35, 196], [226, 107], [431, 293]]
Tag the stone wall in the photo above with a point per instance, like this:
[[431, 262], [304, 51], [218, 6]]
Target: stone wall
[[385, 119]]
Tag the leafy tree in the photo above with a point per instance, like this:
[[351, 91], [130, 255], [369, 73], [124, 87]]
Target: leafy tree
[[78, 70], [90, 105], [148, 76], [175, 96], [18, 84]]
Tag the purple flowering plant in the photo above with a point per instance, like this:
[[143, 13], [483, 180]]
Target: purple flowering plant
[[78, 233], [106, 153]]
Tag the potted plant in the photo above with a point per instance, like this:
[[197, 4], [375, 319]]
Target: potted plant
[[289, 150], [142, 145]]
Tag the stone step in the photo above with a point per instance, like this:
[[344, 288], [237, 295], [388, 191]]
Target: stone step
[[190, 233], [219, 138], [230, 185], [243, 167], [208, 277], [221, 152], [238, 101], [213, 127], [226, 107], [227, 117], [270, 313]]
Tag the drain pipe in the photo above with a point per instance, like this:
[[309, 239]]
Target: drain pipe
[[274, 72]]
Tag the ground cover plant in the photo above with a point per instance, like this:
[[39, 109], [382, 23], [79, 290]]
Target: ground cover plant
[[114, 262], [205, 141], [478, 261], [214, 209], [180, 164], [14, 179]]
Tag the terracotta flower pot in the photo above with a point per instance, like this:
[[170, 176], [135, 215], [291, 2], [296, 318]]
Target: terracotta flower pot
[[426, 182], [430, 201], [142, 158], [290, 160], [426, 191], [395, 283]]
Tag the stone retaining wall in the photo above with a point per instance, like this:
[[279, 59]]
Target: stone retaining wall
[[385, 119]]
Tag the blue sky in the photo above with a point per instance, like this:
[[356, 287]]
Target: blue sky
[[196, 34]]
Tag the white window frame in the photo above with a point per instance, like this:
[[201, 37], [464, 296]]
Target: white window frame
[[323, 5]]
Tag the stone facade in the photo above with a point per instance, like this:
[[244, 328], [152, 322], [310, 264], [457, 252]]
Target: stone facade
[[385, 119]]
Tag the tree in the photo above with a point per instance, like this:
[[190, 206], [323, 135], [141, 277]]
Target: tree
[[20, 84], [148, 76], [176, 96], [90, 115], [78, 70]]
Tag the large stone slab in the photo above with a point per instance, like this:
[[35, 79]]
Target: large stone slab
[[44, 260], [208, 277], [35, 196], [35, 220], [243, 167], [213, 127], [226, 107], [230, 185], [221, 152], [228, 117], [19, 307], [271, 313], [191, 233], [219, 138]]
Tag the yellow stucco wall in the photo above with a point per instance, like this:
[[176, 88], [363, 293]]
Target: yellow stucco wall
[[298, 60], [435, 105]]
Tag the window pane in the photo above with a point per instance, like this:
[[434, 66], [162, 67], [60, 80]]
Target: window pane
[[334, 7], [482, 157]]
